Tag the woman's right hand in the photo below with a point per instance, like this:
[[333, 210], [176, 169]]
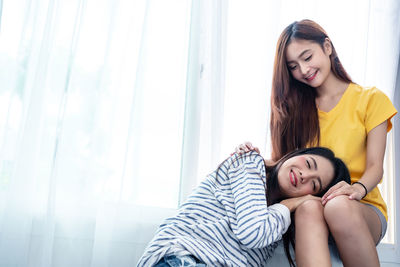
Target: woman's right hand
[[245, 147], [293, 203]]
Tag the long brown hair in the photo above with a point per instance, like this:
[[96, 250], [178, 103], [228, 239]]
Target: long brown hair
[[294, 116]]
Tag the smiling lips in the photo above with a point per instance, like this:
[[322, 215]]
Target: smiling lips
[[311, 77], [293, 178]]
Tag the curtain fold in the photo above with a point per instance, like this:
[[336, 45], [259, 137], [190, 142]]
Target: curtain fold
[[91, 91]]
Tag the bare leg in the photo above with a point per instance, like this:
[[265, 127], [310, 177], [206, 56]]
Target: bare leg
[[356, 229], [311, 235]]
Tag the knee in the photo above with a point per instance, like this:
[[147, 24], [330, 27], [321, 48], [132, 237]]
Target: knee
[[342, 213], [309, 211]]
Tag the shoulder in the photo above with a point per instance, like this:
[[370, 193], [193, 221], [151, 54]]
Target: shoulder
[[367, 97], [366, 91], [251, 157], [250, 162]]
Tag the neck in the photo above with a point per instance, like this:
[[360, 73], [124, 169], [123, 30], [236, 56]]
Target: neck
[[331, 87]]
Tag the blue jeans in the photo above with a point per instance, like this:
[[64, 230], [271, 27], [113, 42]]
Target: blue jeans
[[179, 261]]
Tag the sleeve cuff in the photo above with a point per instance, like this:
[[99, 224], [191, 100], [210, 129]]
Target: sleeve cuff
[[285, 212]]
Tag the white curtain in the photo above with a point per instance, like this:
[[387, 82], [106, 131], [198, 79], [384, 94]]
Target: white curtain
[[91, 124], [112, 111]]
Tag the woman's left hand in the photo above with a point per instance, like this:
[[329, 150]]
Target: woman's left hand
[[355, 192]]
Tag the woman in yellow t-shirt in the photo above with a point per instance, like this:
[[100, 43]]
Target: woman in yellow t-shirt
[[314, 101]]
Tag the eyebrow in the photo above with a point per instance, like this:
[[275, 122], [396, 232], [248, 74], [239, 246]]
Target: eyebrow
[[301, 54]]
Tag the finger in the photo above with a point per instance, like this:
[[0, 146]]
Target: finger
[[244, 148], [240, 149], [344, 191], [257, 150], [248, 144], [335, 187], [331, 190]]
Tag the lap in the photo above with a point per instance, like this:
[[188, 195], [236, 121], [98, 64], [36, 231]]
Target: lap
[[344, 208]]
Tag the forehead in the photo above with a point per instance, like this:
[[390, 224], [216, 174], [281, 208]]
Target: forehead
[[296, 47]]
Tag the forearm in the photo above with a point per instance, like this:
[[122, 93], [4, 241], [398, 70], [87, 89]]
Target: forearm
[[290, 203], [376, 143], [372, 176]]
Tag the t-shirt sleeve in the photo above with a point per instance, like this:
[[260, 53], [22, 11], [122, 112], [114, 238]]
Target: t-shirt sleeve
[[379, 109]]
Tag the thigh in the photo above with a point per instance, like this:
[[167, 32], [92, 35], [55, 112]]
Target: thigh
[[341, 208], [376, 221]]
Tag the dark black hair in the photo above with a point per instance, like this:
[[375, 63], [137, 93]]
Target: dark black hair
[[341, 173]]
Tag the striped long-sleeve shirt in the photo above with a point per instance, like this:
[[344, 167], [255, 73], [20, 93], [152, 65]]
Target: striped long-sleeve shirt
[[226, 220]]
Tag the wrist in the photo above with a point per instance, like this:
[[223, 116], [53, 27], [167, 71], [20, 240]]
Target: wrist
[[363, 188], [288, 203]]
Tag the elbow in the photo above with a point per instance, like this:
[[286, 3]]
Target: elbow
[[257, 238], [250, 238], [380, 172]]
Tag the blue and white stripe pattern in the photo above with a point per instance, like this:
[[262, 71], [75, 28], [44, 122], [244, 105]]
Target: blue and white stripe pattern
[[226, 220]]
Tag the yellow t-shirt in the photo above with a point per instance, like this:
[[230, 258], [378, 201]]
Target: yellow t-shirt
[[344, 130]]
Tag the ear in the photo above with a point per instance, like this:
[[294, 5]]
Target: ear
[[327, 46]]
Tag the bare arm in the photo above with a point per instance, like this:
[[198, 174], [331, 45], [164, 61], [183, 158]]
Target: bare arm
[[376, 144]]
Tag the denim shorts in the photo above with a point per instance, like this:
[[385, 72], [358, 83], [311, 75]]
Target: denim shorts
[[179, 261]]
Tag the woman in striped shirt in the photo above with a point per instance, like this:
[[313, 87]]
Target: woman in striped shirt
[[239, 212]]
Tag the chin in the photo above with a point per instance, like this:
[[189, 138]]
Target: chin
[[314, 83]]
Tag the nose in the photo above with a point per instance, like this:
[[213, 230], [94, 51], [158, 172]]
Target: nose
[[303, 69], [305, 176]]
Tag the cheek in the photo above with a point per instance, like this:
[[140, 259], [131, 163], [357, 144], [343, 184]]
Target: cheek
[[327, 61], [296, 74]]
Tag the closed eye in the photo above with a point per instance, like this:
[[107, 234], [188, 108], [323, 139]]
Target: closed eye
[[308, 58], [308, 164], [292, 67], [314, 187]]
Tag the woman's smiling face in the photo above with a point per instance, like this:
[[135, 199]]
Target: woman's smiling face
[[308, 62], [305, 174]]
